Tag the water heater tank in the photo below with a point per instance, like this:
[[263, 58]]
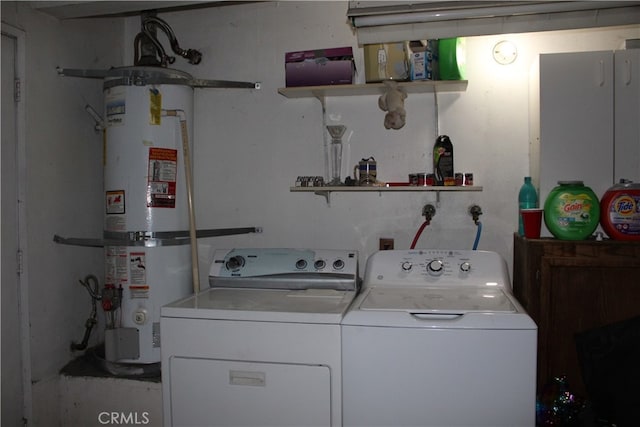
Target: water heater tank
[[147, 264]]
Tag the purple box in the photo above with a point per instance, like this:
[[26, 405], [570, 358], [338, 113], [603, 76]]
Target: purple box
[[319, 67]]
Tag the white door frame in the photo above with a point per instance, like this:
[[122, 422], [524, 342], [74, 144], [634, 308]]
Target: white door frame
[[23, 297]]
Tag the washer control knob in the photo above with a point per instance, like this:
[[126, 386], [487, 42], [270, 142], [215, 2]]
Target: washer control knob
[[435, 267], [338, 264], [465, 267], [235, 263], [301, 264], [407, 266], [319, 264]]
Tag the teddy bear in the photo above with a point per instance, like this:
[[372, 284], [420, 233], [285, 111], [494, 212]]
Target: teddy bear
[[392, 101]]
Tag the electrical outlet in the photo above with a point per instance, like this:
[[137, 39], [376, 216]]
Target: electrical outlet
[[386, 244]]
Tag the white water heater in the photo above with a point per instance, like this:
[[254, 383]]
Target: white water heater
[[146, 223], [149, 237]]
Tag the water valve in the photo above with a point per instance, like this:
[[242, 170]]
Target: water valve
[[428, 212], [475, 211]]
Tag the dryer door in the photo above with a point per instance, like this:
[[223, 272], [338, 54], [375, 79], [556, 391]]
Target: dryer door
[[211, 392]]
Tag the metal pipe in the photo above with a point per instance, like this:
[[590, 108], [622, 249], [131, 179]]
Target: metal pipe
[[92, 320], [195, 269]]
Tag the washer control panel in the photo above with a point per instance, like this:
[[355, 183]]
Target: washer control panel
[[447, 267]]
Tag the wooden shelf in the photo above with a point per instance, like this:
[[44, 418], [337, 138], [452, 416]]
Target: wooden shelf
[[426, 86], [353, 189], [326, 191]]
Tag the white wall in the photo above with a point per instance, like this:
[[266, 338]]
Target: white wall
[[251, 145]]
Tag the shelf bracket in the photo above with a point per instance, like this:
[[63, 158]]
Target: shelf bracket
[[325, 142], [320, 97], [325, 194]]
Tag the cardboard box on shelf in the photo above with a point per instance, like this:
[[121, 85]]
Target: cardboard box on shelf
[[386, 61], [423, 60], [319, 67]]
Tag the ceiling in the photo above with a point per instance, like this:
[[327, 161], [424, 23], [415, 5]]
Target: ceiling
[[92, 9], [422, 19]]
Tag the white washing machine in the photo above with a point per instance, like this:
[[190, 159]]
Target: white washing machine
[[436, 338], [261, 347]]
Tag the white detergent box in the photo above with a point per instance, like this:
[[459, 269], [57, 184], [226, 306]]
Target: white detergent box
[[418, 66], [423, 60]]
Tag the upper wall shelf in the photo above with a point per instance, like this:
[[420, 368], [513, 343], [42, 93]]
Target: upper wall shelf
[[426, 86], [326, 191], [400, 188]]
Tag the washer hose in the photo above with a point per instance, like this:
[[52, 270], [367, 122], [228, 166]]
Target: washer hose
[[478, 232], [418, 233]]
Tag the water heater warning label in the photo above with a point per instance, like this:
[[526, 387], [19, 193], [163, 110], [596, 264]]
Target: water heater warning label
[[138, 268], [115, 266], [115, 105], [115, 202], [161, 188]]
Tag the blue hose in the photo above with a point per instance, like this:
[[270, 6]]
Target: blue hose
[[478, 232]]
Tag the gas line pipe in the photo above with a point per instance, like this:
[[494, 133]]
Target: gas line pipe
[[195, 269]]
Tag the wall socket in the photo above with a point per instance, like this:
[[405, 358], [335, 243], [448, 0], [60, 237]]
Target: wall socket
[[386, 244]]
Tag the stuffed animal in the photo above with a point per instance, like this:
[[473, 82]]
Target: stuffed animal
[[392, 101]]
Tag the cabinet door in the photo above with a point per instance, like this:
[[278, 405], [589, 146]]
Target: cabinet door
[[581, 294], [627, 110], [576, 120]]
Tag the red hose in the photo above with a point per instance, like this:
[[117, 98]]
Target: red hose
[[415, 239]]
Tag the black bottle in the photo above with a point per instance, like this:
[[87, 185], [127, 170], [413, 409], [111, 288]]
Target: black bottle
[[443, 159]]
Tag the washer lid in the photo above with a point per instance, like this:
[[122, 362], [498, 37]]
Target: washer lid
[[438, 308], [266, 305], [438, 300]]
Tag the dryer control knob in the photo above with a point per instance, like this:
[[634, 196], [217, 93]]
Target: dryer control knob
[[301, 264], [435, 267], [319, 264], [338, 264], [234, 263], [465, 267], [407, 266]]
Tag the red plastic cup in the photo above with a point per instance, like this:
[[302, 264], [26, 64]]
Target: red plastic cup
[[531, 221]]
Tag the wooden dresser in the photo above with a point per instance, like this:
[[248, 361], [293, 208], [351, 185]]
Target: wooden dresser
[[572, 286]]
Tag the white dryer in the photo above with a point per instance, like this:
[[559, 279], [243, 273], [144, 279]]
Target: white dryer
[[261, 347], [436, 339]]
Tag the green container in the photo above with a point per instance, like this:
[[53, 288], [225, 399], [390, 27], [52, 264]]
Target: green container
[[571, 211], [451, 54]]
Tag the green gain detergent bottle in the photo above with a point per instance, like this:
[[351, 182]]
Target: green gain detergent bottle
[[571, 211]]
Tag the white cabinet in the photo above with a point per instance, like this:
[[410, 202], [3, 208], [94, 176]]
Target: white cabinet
[[589, 118], [627, 115]]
